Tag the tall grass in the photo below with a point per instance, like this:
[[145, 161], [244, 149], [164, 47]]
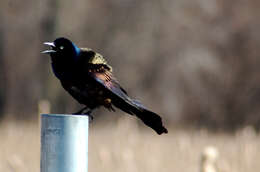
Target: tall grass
[[124, 146]]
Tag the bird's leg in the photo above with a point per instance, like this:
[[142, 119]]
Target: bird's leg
[[88, 113], [80, 111]]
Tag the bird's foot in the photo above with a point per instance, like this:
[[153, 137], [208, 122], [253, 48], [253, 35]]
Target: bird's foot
[[88, 113], [82, 112]]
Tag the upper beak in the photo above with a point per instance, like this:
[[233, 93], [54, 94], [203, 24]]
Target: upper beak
[[51, 44]]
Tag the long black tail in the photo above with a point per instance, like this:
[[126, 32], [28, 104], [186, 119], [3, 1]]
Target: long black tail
[[152, 120], [149, 118]]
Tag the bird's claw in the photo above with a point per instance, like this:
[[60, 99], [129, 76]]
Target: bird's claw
[[87, 113]]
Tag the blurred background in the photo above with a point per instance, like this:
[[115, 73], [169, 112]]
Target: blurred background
[[196, 63]]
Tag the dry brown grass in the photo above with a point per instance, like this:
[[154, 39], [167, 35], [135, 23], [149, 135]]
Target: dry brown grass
[[123, 147]]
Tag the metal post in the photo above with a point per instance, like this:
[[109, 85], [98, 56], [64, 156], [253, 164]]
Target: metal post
[[64, 143]]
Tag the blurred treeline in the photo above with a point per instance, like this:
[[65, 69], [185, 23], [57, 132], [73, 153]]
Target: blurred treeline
[[194, 62]]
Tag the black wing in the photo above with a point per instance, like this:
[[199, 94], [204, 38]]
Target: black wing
[[100, 74], [120, 99]]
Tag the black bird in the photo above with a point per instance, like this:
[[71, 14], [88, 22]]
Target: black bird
[[86, 75]]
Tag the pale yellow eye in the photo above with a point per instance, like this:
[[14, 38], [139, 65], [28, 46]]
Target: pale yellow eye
[[61, 47]]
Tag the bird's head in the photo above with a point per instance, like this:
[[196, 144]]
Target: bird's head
[[62, 49]]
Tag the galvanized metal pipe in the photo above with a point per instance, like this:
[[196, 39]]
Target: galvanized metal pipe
[[64, 143]]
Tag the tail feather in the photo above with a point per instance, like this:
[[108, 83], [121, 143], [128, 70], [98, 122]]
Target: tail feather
[[149, 118], [152, 120]]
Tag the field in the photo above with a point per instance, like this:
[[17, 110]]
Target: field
[[123, 146]]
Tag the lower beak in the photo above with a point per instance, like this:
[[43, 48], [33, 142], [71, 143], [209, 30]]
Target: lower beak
[[51, 44], [48, 51]]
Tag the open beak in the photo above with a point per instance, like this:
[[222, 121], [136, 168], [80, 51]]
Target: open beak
[[51, 44]]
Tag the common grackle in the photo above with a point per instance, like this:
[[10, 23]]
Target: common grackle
[[86, 75]]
